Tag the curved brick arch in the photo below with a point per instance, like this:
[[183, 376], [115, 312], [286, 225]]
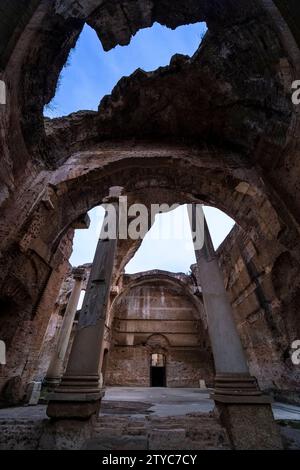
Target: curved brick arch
[[148, 176], [143, 173], [235, 93], [179, 283]]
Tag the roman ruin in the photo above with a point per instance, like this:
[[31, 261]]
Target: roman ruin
[[221, 129]]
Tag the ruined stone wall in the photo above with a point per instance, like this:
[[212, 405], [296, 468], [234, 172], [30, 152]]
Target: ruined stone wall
[[55, 321], [27, 343], [186, 367], [158, 318], [235, 117], [258, 278], [128, 366], [48, 346]]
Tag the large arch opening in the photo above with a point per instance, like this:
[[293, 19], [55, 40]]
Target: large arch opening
[[218, 128], [144, 174], [167, 246]]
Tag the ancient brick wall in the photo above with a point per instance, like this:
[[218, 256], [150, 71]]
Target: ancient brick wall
[[55, 321], [48, 346], [185, 368], [23, 359], [258, 276], [128, 366], [158, 318], [241, 135]]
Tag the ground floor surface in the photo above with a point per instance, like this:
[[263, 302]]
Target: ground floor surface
[[144, 418]]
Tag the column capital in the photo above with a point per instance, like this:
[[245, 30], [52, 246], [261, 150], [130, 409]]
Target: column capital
[[79, 273], [115, 192]]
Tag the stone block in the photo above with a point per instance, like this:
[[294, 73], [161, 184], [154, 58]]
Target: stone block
[[250, 427], [113, 442], [34, 393], [165, 439], [66, 434]]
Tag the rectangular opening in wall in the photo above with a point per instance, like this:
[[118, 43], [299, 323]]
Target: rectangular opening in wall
[[158, 370]]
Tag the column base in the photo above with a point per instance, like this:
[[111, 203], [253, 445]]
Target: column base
[[52, 382], [250, 426], [77, 397], [238, 388], [68, 434], [81, 410], [246, 413]]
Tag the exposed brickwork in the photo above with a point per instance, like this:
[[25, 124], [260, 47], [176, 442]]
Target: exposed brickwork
[[158, 313], [258, 277], [218, 128], [23, 355]]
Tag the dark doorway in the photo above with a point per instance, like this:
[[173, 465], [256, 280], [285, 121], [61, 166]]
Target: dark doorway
[[158, 370]]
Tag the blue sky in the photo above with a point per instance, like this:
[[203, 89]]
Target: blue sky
[[91, 74], [167, 246]]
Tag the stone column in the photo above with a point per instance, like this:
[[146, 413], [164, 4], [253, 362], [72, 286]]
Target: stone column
[[79, 393], [244, 410], [55, 370]]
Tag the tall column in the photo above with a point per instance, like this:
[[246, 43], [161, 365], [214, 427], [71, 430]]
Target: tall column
[[232, 372], [244, 410], [79, 393], [56, 366]]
